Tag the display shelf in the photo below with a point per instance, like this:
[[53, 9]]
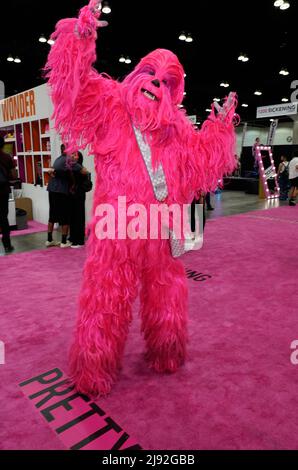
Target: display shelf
[[31, 143]]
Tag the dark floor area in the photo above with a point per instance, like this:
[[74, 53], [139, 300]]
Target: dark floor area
[[225, 203]]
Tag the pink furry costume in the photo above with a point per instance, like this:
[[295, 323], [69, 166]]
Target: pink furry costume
[[92, 109]]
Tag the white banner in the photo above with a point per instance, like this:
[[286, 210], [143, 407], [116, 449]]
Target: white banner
[[272, 132], [244, 131], [286, 109], [27, 106]]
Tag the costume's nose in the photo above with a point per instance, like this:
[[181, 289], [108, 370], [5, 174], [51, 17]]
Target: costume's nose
[[156, 82]]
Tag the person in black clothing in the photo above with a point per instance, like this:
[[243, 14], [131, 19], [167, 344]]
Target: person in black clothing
[[7, 172], [59, 189], [77, 205]]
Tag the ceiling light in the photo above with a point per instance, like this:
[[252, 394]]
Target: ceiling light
[[278, 3], [189, 38], [271, 120], [285, 6], [258, 93], [17, 60], [106, 8], [243, 58], [184, 75], [10, 58], [284, 72], [122, 59], [51, 42], [184, 93], [225, 84], [285, 100], [182, 36], [128, 60], [208, 110], [42, 38], [216, 99], [244, 105]]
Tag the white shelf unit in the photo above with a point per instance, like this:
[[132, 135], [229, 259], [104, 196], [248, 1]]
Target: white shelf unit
[[31, 148]]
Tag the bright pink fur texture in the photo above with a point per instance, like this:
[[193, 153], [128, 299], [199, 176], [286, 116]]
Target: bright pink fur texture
[[92, 109]]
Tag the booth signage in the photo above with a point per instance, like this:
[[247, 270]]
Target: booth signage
[[277, 110], [27, 106], [272, 132]]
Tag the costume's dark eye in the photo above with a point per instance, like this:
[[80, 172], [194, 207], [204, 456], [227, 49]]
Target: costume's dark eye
[[165, 82], [151, 72]]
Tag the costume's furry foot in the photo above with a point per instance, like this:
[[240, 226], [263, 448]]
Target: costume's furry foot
[[88, 374], [95, 388]]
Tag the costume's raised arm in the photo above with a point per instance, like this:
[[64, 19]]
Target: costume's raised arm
[[215, 144], [76, 88]]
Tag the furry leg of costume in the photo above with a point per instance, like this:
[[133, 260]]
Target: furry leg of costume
[[164, 310], [108, 290]]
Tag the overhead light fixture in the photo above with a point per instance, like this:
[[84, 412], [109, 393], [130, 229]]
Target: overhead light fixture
[[51, 42], [278, 3], [10, 58], [17, 60], [271, 120], [225, 84], [42, 38], [128, 60], [106, 8], [285, 6], [216, 99], [189, 38], [182, 36], [258, 93], [208, 110], [285, 100], [284, 72], [122, 59], [244, 105], [243, 58], [184, 75], [184, 93]]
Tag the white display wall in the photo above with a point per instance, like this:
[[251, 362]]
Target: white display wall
[[26, 112]]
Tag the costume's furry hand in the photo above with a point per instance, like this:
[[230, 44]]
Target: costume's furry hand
[[88, 19], [226, 112], [95, 8]]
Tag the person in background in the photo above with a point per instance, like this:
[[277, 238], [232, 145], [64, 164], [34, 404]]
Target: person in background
[[283, 178], [77, 204], [7, 172], [208, 202], [293, 178], [255, 155], [59, 196]]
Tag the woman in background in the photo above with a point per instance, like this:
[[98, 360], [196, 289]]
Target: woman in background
[[81, 184]]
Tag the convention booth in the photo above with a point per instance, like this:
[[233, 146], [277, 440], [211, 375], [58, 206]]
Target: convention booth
[[280, 137], [25, 122]]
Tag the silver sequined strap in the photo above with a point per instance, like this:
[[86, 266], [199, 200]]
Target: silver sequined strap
[[157, 178]]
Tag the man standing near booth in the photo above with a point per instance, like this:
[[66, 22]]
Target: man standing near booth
[[293, 178], [7, 170]]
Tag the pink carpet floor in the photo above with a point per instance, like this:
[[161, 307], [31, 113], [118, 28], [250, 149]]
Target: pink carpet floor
[[33, 227], [238, 390]]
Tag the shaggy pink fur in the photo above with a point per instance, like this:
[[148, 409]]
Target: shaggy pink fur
[[92, 109]]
